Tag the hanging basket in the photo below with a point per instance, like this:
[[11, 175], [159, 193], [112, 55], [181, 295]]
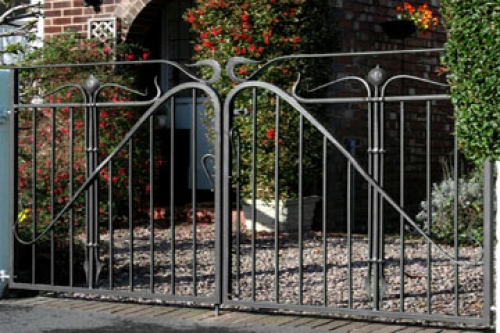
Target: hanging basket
[[399, 29]]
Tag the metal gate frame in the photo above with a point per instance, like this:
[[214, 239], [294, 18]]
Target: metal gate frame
[[376, 84], [223, 188]]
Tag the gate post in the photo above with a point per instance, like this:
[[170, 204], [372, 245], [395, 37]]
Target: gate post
[[4, 179]]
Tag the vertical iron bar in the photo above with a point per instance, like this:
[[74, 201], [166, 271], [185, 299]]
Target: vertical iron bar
[[70, 194], [324, 222], [131, 212], [380, 202], [254, 186], [33, 194], [111, 226], [429, 204], [172, 195], [222, 211], [370, 196], [87, 264], [349, 237], [225, 172], [276, 200], [90, 192], [455, 222], [97, 210], [375, 208], [402, 204], [52, 199], [301, 207], [488, 243], [238, 217], [151, 206], [194, 152]]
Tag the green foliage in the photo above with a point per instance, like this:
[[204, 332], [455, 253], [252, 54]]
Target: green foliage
[[258, 30], [470, 209], [471, 58]]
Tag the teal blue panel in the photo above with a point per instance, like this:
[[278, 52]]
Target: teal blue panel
[[4, 173]]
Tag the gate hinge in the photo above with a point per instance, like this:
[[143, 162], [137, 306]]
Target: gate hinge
[[3, 276]]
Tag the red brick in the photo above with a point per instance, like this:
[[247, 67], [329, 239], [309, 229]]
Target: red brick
[[53, 30], [73, 12], [62, 21], [52, 13]]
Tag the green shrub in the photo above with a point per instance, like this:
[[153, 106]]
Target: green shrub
[[472, 50], [114, 123], [470, 209], [259, 30]]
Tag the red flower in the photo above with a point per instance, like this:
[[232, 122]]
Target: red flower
[[129, 57], [191, 18], [245, 17], [146, 55], [270, 133], [243, 71], [107, 49], [204, 35], [216, 31]]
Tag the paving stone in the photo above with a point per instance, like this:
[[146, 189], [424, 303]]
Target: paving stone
[[332, 325], [368, 329], [314, 323], [390, 329], [350, 327]]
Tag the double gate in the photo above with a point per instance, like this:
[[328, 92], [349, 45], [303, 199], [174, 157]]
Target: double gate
[[107, 209]]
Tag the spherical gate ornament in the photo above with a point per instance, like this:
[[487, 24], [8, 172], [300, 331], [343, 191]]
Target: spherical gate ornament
[[91, 84], [377, 76]]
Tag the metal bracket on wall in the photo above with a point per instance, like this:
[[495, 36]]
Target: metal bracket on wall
[[3, 276], [4, 113]]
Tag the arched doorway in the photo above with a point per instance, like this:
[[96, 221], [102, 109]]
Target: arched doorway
[[160, 28]]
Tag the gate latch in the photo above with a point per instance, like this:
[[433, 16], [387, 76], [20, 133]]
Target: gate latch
[[3, 276]]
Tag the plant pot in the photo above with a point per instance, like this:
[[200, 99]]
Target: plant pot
[[399, 29], [288, 214]]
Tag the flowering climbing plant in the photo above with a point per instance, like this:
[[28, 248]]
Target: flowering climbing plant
[[260, 30], [422, 16], [49, 165]]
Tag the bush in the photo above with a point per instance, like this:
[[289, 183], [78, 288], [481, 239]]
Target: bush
[[470, 209], [472, 50], [258, 30], [43, 84]]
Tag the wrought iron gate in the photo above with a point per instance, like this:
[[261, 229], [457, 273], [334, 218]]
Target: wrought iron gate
[[372, 250]]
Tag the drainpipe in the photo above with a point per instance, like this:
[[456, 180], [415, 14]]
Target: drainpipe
[[4, 179]]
